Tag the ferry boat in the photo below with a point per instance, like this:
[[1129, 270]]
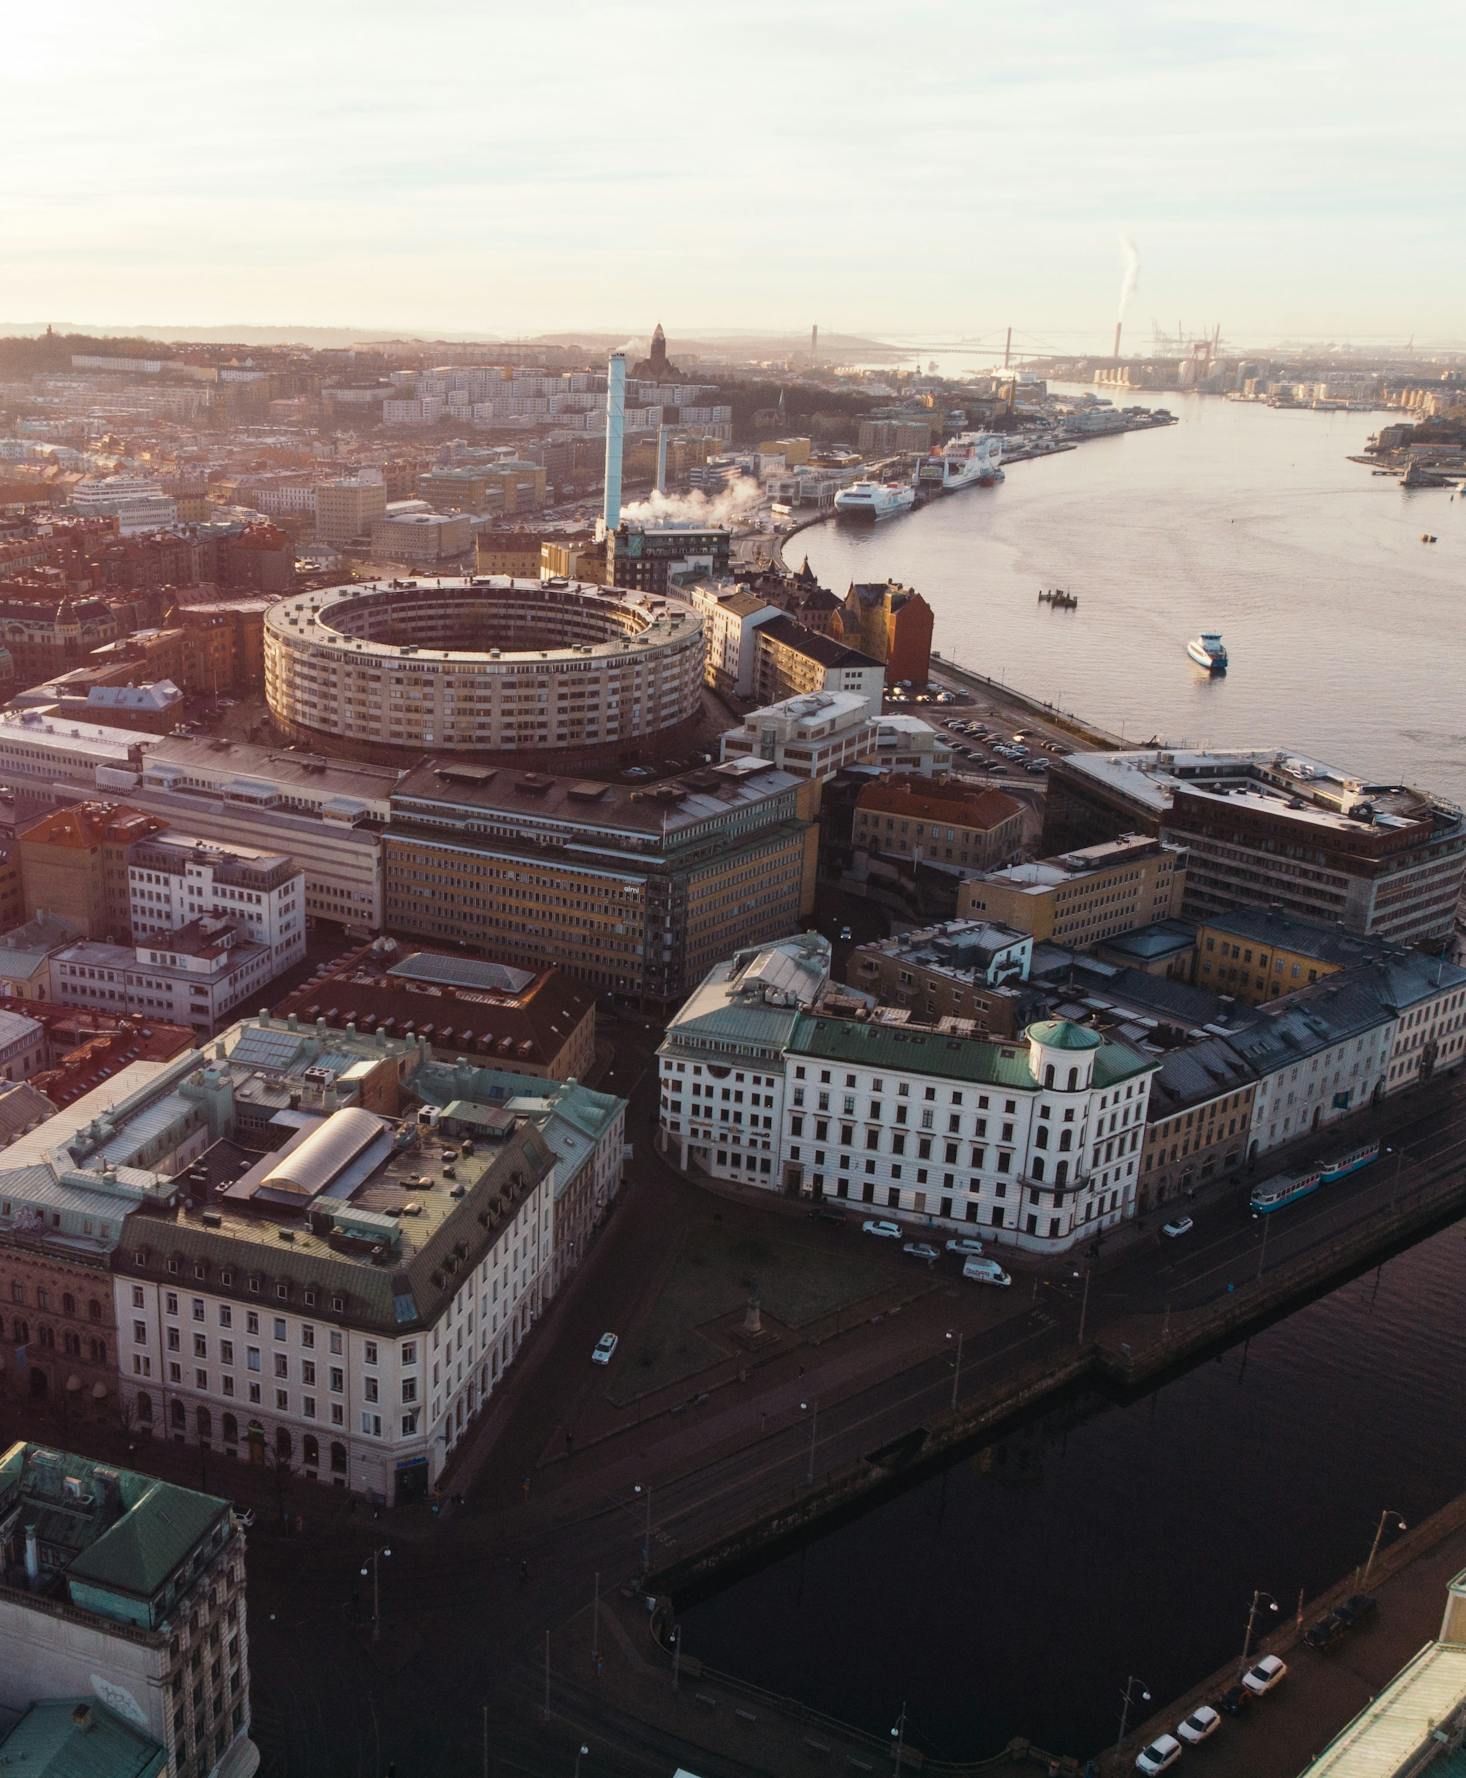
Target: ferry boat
[[969, 457], [1348, 1163], [874, 500], [1283, 1189], [1208, 651]]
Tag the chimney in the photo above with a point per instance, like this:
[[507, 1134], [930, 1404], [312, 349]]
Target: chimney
[[1117, 342], [615, 428], [661, 460], [814, 343]]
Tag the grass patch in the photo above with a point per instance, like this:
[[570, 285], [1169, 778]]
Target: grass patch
[[713, 1275]]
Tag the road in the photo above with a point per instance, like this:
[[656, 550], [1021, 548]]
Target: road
[[465, 1632]]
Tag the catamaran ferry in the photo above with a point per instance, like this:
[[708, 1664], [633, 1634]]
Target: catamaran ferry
[[874, 500]]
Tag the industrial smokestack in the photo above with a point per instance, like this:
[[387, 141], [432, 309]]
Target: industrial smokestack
[[1117, 342], [814, 342], [615, 431], [661, 459]]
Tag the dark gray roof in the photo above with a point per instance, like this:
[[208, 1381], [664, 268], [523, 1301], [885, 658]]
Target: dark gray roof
[[1194, 1074]]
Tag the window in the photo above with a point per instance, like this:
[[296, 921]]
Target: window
[[337, 1379], [252, 1357], [279, 1327], [370, 1388], [409, 1351], [170, 1302], [226, 1315], [370, 1353]]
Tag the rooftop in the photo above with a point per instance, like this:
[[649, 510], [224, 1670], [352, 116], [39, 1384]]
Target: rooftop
[[110, 1531], [815, 644], [927, 799], [78, 1738], [1391, 1735], [755, 996], [1038, 875]]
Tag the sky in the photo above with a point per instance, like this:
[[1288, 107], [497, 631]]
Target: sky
[[943, 169]]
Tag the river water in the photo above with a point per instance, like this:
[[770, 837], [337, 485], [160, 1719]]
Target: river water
[[1344, 629], [1014, 1593]]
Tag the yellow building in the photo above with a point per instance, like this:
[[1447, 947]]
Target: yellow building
[[794, 451], [1080, 898], [1258, 954], [571, 558], [515, 553]]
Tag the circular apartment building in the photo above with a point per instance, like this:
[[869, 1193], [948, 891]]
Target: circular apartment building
[[556, 672]]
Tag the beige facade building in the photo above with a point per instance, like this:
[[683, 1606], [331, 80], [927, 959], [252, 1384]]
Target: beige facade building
[[790, 660], [943, 822], [1083, 897], [347, 510], [420, 539]]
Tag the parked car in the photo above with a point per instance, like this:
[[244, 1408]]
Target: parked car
[[244, 1516], [605, 1349], [821, 1214], [1202, 1722], [965, 1246], [1357, 1607], [845, 932], [1160, 1756], [1268, 1672], [1326, 1632], [985, 1271], [1234, 1700], [1182, 1225], [888, 1231], [921, 1250]]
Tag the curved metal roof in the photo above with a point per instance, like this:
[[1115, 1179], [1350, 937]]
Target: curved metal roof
[[309, 1168]]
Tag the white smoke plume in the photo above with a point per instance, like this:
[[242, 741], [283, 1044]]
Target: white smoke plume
[[733, 504], [1129, 274]]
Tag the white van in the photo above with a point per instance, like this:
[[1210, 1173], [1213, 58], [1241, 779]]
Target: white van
[[985, 1271]]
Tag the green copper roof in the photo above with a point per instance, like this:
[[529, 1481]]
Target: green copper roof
[[78, 1738], [983, 1061], [1064, 1034], [160, 1529]]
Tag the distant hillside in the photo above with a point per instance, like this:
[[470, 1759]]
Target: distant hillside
[[846, 347]]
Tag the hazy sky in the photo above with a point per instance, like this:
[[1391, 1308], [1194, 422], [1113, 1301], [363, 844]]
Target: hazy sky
[[910, 166]]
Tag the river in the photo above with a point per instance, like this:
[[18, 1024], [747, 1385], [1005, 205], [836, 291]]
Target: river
[[1013, 1593], [1343, 628]]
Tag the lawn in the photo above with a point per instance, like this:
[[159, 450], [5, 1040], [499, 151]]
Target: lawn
[[712, 1272]]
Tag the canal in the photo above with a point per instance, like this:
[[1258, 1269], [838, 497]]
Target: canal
[[1014, 1592]]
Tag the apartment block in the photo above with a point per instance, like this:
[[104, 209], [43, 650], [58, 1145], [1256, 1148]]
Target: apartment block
[[1083, 897]]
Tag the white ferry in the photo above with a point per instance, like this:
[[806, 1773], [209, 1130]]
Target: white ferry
[[1208, 651], [968, 458], [874, 500]]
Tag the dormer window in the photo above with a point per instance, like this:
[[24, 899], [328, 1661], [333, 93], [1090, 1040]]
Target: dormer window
[[338, 1303], [254, 1285], [173, 1266]]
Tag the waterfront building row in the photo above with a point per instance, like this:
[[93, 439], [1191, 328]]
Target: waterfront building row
[[767, 1072]]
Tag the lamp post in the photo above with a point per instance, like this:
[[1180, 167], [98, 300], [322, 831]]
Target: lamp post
[[1257, 1216], [1083, 1303], [1379, 1531], [898, 1735], [580, 1754], [1258, 1595], [813, 1410], [957, 1363], [646, 1540], [377, 1555], [1127, 1698]]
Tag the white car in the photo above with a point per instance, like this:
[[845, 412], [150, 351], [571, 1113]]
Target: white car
[[920, 1250], [1173, 1231], [605, 1349], [845, 932], [1202, 1722], [1265, 1675], [965, 1247], [888, 1231], [1160, 1756]]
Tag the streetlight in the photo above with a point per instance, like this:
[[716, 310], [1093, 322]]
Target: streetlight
[[580, 1754], [813, 1410], [646, 1541], [1257, 1216], [957, 1365], [1379, 1531], [1127, 1698], [1257, 1596], [377, 1591], [1083, 1302], [898, 1735]]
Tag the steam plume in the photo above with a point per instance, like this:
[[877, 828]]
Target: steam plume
[[1129, 274], [735, 502]]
